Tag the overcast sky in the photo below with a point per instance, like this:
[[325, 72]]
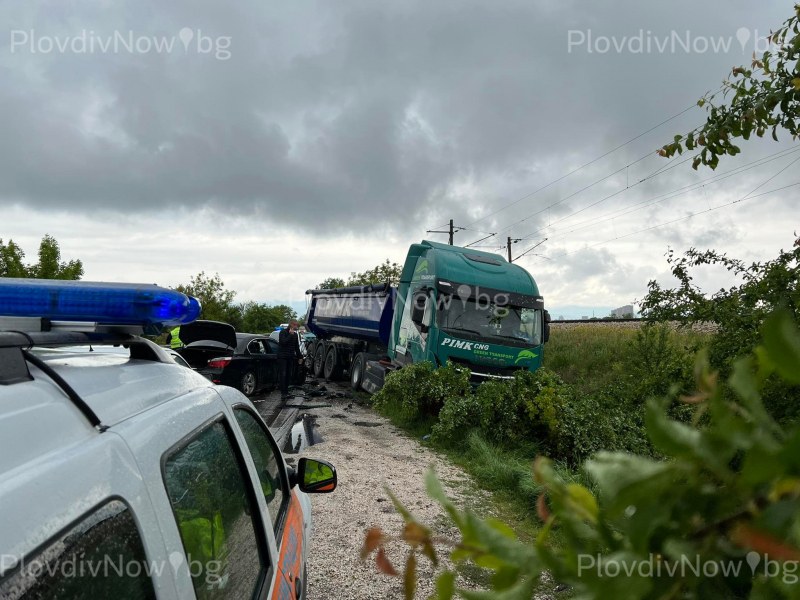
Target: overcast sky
[[282, 143]]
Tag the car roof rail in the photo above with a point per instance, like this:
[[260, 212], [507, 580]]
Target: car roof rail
[[15, 355]]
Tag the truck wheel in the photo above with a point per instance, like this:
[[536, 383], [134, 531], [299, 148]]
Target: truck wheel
[[319, 359], [357, 371], [332, 369]]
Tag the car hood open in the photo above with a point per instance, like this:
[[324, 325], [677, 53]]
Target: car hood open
[[214, 331]]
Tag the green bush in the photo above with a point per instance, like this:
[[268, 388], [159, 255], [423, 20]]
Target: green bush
[[737, 312], [416, 393], [518, 413], [659, 363], [600, 421]]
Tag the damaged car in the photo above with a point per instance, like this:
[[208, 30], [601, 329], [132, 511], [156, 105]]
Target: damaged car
[[245, 361]]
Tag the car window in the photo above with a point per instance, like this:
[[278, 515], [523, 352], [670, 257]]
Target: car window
[[272, 346], [256, 347], [177, 358], [101, 556], [213, 509], [268, 464]]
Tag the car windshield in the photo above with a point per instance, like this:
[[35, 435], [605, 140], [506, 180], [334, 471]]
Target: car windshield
[[490, 320]]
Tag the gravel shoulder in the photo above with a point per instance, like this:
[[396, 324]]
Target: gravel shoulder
[[370, 453]]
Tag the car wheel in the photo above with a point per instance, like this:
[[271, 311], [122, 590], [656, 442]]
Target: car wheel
[[248, 383], [332, 368], [319, 359], [357, 371]]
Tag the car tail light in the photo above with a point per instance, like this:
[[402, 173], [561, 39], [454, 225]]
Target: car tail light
[[219, 363]]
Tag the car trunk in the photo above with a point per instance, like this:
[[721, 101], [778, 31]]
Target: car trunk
[[206, 340], [197, 354]]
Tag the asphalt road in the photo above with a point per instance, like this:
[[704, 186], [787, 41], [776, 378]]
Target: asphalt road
[[280, 417]]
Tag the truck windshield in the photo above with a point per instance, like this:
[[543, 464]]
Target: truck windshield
[[486, 319]]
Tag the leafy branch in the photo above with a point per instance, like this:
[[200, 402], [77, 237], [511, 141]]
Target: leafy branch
[[764, 97]]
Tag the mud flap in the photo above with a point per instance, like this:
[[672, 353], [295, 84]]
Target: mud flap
[[374, 375]]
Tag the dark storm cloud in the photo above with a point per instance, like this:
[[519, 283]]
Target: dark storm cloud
[[333, 115]]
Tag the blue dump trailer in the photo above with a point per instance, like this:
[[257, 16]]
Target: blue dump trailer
[[452, 304], [352, 325]]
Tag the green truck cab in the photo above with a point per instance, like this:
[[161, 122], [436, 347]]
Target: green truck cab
[[470, 307]]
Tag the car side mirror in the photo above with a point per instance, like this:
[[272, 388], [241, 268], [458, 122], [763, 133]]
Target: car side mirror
[[546, 328], [418, 301], [316, 476]]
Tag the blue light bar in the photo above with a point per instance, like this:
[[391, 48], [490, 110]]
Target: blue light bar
[[86, 301]]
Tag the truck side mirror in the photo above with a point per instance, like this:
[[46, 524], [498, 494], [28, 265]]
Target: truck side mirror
[[418, 301], [546, 328]]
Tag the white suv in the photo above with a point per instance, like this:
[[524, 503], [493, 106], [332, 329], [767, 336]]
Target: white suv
[[129, 476]]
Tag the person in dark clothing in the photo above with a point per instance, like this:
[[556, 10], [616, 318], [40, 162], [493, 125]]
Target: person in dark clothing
[[288, 355]]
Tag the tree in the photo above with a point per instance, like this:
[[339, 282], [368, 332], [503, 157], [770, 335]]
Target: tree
[[765, 97], [384, 272], [262, 318], [331, 283], [726, 496], [11, 264], [216, 302], [49, 265]]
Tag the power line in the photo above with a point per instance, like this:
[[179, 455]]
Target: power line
[[746, 197], [528, 250], [594, 160], [480, 240], [714, 179], [670, 195], [617, 193]]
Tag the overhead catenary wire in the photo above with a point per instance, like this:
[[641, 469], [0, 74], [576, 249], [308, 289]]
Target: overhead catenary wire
[[480, 240], [664, 197], [660, 198], [708, 210], [594, 160]]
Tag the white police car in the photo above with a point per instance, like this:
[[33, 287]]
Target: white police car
[[131, 476]]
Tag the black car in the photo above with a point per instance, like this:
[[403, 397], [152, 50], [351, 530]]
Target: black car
[[246, 361]]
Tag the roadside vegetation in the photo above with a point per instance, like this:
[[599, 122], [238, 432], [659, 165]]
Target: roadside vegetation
[[697, 431], [661, 441], [590, 396]]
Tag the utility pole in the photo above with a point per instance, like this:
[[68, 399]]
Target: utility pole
[[451, 231], [508, 246]]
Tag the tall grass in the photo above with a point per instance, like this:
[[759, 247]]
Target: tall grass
[[589, 356], [594, 357]]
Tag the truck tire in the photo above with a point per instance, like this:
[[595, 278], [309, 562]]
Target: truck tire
[[332, 369], [319, 359], [357, 371]]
